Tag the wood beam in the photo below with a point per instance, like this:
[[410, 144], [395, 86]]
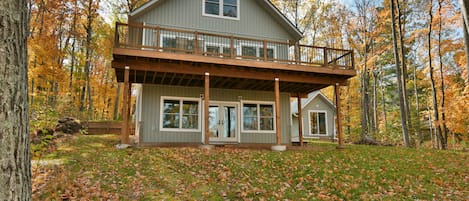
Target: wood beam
[[227, 71], [300, 119], [206, 107], [338, 115], [145, 77], [234, 62], [125, 124], [163, 78], [277, 110], [154, 77], [188, 83], [181, 79]]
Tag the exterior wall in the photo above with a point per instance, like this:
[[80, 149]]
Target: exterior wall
[[253, 21], [151, 98], [320, 104]]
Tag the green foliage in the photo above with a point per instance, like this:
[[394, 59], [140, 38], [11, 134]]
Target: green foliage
[[94, 169]]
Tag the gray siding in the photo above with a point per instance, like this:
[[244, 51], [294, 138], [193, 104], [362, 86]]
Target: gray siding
[[253, 21], [320, 104], [151, 97]]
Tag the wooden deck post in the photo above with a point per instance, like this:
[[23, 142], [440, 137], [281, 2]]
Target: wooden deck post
[[277, 110], [206, 107], [297, 53], [325, 56], [338, 115], [300, 120], [196, 43], [125, 105]]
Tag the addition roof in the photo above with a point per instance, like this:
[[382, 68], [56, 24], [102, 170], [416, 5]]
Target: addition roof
[[311, 97]]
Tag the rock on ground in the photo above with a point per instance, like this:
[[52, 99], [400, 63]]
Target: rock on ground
[[68, 125]]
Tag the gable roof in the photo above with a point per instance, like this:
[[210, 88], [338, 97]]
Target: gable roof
[[311, 97], [266, 4]]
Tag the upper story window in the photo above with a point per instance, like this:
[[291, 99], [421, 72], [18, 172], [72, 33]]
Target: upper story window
[[222, 8]]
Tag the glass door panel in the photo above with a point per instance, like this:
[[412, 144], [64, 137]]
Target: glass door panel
[[214, 121], [223, 122], [230, 122]]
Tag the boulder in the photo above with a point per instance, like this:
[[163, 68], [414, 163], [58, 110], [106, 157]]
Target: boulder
[[68, 125], [367, 140]]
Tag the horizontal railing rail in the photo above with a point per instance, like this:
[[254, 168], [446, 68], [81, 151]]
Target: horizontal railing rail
[[162, 39]]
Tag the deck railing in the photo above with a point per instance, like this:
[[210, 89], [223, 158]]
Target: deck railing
[[162, 39]]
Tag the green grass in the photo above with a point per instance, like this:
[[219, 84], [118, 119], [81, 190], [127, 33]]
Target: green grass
[[93, 169]]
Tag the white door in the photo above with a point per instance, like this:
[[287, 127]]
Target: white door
[[223, 122]]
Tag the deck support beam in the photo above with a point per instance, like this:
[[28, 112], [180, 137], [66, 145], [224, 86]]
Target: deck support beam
[[277, 110], [278, 146], [338, 115], [125, 108], [206, 108], [300, 120]]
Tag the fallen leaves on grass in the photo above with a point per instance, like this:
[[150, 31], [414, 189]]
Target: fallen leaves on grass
[[357, 173]]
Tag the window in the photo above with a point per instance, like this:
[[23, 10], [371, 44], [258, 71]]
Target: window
[[258, 117], [257, 51], [169, 42], [180, 114], [221, 8], [317, 123], [214, 49]]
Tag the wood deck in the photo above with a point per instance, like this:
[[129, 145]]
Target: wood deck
[[301, 69]]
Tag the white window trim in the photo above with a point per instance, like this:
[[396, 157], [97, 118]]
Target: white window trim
[[257, 46], [258, 103], [221, 11], [220, 47], [180, 99], [173, 37], [309, 123]]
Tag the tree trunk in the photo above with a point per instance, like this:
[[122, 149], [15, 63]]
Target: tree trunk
[[374, 102], [383, 97], [405, 133], [417, 110], [444, 139], [89, 31], [15, 164], [403, 68], [432, 79], [466, 45], [72, 63], [364, 88], [465, 12]]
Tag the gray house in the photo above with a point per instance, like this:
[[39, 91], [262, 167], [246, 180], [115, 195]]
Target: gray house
[[318, 114], [218, 72]]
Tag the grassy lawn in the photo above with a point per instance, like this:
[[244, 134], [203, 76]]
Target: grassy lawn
[[90, 168]]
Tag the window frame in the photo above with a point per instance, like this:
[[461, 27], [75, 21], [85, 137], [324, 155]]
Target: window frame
[[181, 101], [258, 47], [310, 126], [220, 7], [220, 47], [258, 103], [188, 37]]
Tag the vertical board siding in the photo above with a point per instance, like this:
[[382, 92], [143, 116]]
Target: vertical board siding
[[151, 97], [254, 21]]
